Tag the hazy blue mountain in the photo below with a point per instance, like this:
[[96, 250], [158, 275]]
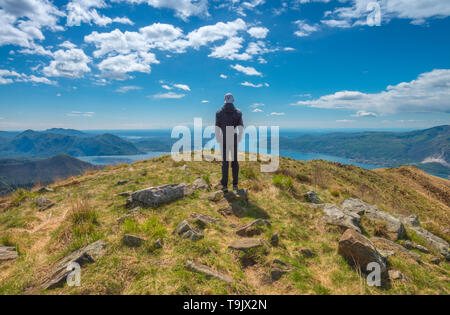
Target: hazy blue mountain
[[68, 132], [26, 173], [32, 144]]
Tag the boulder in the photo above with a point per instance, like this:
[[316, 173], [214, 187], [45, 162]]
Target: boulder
[[412, 220], [88, 254], [203, 220], [411, 245], [157, 196], [245, 244], [312, 197], [437, 243], [357, 206], [253, 228], [360, 251], [336, 216], [387, 246], [185, 231], [209, 272], [8, 253], [215, 196], [133, 241], [394, 228], [200, 184]]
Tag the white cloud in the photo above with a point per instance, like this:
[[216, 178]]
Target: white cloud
[[305, 29], [80, 114], [230, 50], [246, 70], [430, 92], [69, 63], [256, 105], [125, 89], [84, 11], [258, 32], [9, 77], [166, 87], [257, 110], [205, 102], [118, 67], [183, 8], [223, 76], [345, 121], [183, 87], [363, 113], [170, 95], [249, 84], [277, 114], [211, 33]]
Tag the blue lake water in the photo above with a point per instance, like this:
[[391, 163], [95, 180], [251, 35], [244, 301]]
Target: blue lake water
[[299, 156]]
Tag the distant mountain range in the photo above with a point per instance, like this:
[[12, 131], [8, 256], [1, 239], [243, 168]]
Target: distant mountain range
[[26, 173], [428, 149], [33, 144]]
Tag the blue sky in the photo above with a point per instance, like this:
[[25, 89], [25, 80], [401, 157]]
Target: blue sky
[[151, 64]]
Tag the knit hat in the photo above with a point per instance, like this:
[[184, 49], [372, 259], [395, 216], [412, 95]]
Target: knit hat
[[229, 98]]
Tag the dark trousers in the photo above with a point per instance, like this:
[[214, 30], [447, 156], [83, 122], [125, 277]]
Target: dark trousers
[[226, 166]]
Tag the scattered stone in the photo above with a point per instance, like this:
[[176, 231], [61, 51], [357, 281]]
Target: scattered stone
[[412, 220], [199, 268], [245, 244], [156, 196], [122, 182], [133, 241], [253, 228], [307, 253], [411, 245], [395, 275], [360, 251], [200, 184], [126, 194], [183, 227], [336, 216], [312, 197], [357, 206], [394, 227], [44, 204], [215, 196], [387, 245], [437, 243], [82, 256], [159, 243], [183, 168], [8, 253], [203, 220], [435, 261], [129, 214], [44, 190], [275, 240], [386, 253], [278, 269], [184, 230], [226, 211]]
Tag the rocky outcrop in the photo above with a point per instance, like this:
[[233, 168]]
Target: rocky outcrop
[[157, 196], [437, 243], [133, 241], [253, 228], [391, 226], [360, 251], [387, 246], [411, 245], [342, 218], [185, 231], [88, 254], [357, 206], [245, 244], [412, 220], [209, 272], [312, 197], [8, 253]]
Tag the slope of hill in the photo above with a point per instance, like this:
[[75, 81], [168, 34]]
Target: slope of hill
[[24, 173], [88, 209], [32, 144], [380, 148]]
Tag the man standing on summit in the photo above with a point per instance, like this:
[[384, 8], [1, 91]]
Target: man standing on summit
[[229, 131]]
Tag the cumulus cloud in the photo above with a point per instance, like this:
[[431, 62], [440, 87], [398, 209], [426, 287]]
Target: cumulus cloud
[[305, 29], [257, 110], [249, 84], [125, 89], [430, 92], [258, 32], [230, 50], [118, 67], [68, 62], [85, 11], [170, 95], [363, 113], [246, 70], [223, 76], [8, 77]]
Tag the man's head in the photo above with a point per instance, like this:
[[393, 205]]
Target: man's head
[[229, 99]]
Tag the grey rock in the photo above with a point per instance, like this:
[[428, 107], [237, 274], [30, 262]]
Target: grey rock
[[215, 196], [437, 243], [357, 206], [411, 245], [88, 254], [203, 220], [183, 227], [307, 253], [278, 269], [159, 243], [252, 228], [394, 227], [387, 245], [156, 196], [312, 197], [360, 251], [412, 220], [133, 241], [44, 204], [199, 268], [200, 184], [275, 240], [44, 190], [8, 253], [395, 275], [336, 216], [193, 235], [122, 182], [129, 214], [245, 244], [435, 261]]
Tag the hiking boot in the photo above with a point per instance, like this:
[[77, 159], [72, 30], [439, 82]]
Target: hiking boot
[[235, 188]]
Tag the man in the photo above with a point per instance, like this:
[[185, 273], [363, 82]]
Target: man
[[229, 131]]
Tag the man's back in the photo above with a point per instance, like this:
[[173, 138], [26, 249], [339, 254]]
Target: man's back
[[228, 116]]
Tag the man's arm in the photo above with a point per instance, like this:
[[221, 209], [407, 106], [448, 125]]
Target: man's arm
[[218, 133]]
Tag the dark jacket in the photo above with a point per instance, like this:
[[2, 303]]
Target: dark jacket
[[228, 116]]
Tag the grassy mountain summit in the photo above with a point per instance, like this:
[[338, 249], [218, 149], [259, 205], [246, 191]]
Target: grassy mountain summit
[[87, 209]]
